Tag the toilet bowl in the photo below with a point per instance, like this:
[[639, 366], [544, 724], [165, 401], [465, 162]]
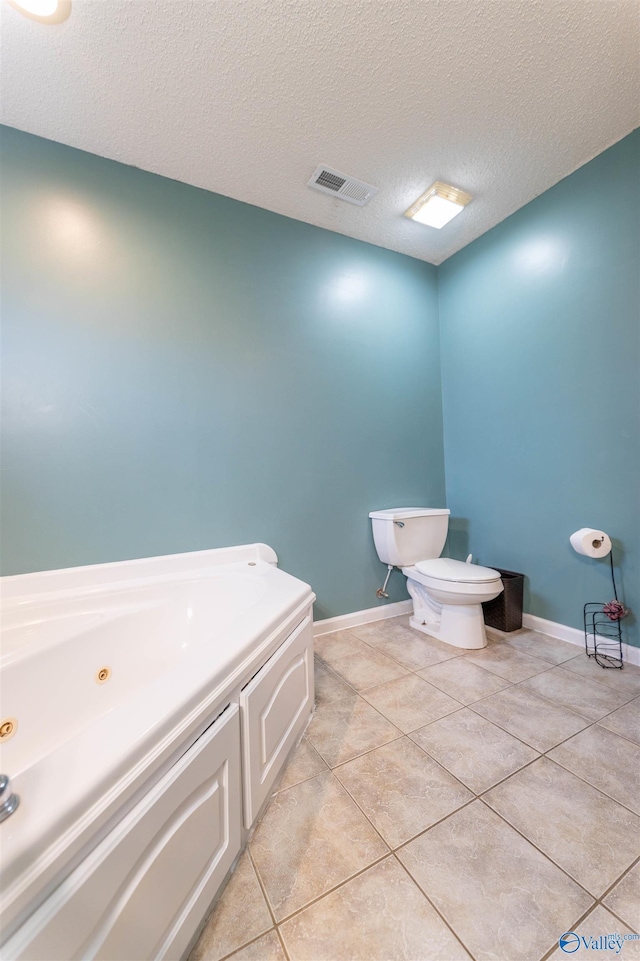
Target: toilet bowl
[[447, 599], [447, 594]]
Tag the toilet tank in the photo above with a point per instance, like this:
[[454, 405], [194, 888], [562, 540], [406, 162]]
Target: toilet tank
[[405, 535]]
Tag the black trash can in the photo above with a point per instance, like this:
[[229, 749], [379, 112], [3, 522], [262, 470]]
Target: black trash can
[[504, 612]]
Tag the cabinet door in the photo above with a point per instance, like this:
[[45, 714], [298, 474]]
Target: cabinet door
[[275, 707], [143, 891]]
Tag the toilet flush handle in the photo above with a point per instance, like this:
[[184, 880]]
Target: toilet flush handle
[[469, 559]]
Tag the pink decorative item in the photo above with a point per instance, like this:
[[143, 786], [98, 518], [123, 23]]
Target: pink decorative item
[[614, 610]]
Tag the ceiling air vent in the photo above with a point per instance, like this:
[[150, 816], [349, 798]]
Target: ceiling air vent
[[347, 188]]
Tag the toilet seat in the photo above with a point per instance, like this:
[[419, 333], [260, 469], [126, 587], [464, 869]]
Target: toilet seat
[[456, 572]]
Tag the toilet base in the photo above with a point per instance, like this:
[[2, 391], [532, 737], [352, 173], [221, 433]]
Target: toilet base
[[461, 625]]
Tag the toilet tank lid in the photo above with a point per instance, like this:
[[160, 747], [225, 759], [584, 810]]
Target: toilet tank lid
[[448, 569], [398, 513]]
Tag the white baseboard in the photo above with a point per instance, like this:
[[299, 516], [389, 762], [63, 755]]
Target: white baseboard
[[344, 621], [562, 632], [630, 654]]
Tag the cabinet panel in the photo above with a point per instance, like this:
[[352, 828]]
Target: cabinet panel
[[275, 707], [144, 890]]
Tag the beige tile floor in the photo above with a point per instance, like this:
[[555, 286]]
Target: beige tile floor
[[446, 805]]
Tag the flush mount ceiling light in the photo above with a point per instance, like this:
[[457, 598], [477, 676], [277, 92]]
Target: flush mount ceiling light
[[438, 205], [45, 11]]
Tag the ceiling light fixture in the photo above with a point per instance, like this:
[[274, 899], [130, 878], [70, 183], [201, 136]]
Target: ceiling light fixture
[[438, 205], [45, 11]]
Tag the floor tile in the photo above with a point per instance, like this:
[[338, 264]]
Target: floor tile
[[536, 721], [625, 681], [597, 923], [624, 899], [588, 698], [378, 916], [504, 660], [346, 728], [401, 790], [329, 647], [476, 751], [593, 838], [409, 647], [366, 669], [328, 686], [305, 763], [312, 837], [610, 762], [409, 702], [625, 721], [538, 645], [502, 897], [240, 915], [463, 680], [266, 948]]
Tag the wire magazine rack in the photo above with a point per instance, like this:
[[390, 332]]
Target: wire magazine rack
[[603, 636]]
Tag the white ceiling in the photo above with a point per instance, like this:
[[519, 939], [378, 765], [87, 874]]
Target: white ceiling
[[502, 98]]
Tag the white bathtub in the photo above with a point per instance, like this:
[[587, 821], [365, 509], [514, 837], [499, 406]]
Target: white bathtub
[[180, 637]]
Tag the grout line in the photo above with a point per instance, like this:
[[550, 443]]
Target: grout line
[[618, 918], [623, 736], [615, 709], [437, 910], [619, 879], [328, 668], [599, 790], [574, 925], [593, 897], [260, 881], [423, 830], [602, 686], [435, 824], [336, 887], [241, 947], [282, 943], [588, 724], [302, 780], [366, 816], [356, 756]]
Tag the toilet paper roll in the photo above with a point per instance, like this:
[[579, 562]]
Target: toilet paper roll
[[590, 542]]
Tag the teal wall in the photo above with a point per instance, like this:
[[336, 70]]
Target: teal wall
[[183, 371], [540, 325]]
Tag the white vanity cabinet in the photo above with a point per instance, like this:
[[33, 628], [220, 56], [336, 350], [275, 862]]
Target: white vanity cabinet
[[275, 706], [143, 890]]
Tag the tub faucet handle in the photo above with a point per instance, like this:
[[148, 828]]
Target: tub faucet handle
[[8, 801]]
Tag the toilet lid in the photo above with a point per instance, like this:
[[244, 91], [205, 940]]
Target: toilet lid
[[447, 569]]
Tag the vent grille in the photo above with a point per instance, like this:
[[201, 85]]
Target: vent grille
[[330, 181], [340, 185]]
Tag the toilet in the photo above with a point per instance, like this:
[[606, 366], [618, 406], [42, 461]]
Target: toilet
[[447, 594]]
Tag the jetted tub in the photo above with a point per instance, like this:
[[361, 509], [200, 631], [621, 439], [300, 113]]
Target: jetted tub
[[154, 703]]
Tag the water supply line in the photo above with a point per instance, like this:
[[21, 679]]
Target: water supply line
[[382, 591]]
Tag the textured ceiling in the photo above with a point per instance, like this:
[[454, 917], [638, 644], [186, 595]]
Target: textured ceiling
[[502, 98]]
